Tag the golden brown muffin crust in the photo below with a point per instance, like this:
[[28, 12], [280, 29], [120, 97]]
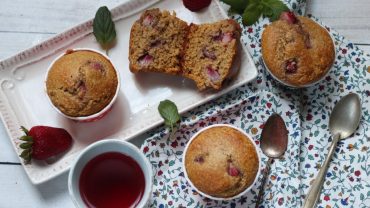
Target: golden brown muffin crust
[[81, 83], [221, 162], [306, 43]]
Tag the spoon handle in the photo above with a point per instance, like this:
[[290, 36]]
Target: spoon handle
[[265, 174], [315, 191]]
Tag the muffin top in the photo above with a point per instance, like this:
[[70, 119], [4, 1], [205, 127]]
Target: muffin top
[[81, 83], [297, 51], [221, 162]]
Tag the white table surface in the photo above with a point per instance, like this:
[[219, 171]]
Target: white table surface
[[26, 23]]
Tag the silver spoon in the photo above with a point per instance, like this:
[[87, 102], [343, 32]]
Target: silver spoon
[[274, 142], [343, 122]]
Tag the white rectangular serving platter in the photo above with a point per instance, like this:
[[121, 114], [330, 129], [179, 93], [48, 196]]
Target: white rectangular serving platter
[[23, 100]]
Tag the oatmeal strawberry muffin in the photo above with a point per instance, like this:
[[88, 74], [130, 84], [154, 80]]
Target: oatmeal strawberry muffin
[[297, 50], [221, 162], [81, 83], [156, 42], [210, 52]]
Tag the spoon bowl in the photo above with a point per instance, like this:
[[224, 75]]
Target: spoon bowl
[[274, 137], [274, 142], [345, 116]]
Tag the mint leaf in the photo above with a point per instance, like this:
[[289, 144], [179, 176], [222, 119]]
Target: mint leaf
[[103, 27], [251, 10], [236, 6], [252, 13], [273, 8], [168, 110]]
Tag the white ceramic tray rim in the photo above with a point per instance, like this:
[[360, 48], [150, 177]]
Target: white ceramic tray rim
[[24, 102]]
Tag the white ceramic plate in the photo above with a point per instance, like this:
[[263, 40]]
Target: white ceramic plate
[[24, 102]]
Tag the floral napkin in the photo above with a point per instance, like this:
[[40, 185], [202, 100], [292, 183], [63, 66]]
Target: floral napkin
[[164, 151], [347, 181], [306, 113]]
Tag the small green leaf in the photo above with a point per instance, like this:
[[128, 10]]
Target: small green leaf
[[26, 138], [26, 145], [168, 110], [273, 8], [352, 158], [27, 158], [236, 6], [24, 130], [25, 153], [103, 27], [310, 157], [171, 163], [267, 11], [251, 14]]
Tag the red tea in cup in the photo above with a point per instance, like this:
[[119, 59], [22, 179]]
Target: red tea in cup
[[112, 179]]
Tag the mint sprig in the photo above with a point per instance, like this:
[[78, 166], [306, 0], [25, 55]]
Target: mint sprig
[[251, 14], [273, 8], [168, 110], [104, 28], [236, 6], [251, 10]]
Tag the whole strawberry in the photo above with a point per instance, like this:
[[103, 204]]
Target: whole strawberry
[[196, 5], [42, 142]]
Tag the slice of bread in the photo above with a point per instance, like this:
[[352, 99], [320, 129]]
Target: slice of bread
[[161, 42], [210, 52], [156, 42]]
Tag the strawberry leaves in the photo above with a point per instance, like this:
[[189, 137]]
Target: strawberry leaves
[[251, 10], [26, 145], [24, 130], [104, 28], [168, 110]]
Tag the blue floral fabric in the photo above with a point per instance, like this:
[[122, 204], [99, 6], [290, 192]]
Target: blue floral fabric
[[306, 113]]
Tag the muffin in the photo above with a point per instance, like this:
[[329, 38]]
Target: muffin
[[296, 50], [81, 83], [156, 42], [210, 52], [221, 161]]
